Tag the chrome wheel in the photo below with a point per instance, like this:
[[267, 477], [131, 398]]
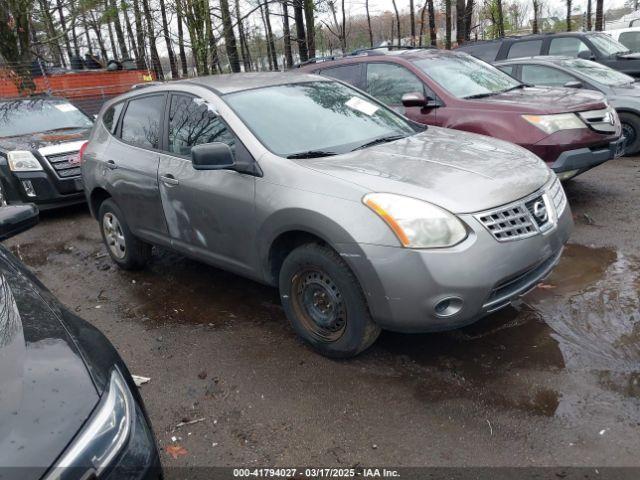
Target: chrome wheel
[[113, 235], [318, 303]]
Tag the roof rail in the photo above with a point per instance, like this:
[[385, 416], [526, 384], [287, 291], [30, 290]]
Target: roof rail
[[360, 51], [138, 86]]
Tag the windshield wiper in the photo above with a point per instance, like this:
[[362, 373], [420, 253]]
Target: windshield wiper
[[482, 95], [377, 141], [312, 154], [522, 85]]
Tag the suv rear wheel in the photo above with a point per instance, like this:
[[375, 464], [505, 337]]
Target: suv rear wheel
[[125, 249], [324, 302], [631, 130]]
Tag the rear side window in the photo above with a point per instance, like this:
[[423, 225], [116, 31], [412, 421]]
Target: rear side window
[[192, 123], [347, 73], [530, 48], [569, 46], [388, 82], [631, 40], [543, 75], [111, 116], [485, 51], [141, 124]]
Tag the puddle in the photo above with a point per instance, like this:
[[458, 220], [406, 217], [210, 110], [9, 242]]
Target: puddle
[[575, 339]]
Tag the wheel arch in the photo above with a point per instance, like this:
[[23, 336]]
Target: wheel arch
[[98, 195]]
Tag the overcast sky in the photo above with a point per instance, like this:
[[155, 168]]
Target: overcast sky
[[556, 6]]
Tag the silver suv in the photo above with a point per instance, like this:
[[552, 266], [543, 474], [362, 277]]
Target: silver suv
[[363, 219]]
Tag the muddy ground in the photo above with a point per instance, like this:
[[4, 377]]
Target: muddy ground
[[554, 380]]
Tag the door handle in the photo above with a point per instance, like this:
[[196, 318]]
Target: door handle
[[111, 164], [169, 180]]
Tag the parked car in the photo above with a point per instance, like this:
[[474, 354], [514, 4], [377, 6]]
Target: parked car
[[596, 46], [629, 37], [621, 90], [40, 139], [69, 408], [572, 131], [362, 218]]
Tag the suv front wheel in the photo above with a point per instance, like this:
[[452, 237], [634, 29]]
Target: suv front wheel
[[129, 252], [324, 302]]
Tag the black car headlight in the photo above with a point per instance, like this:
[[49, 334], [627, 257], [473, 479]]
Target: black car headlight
[[103, 436]]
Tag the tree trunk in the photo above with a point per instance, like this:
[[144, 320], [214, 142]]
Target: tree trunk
[[63, 26], [229, 37], [266, 35], [119, 32], [309, 11], [270, 38], [167, 40], [132, 40], [141, 57], [447, 20], [569, 15], [534, 24], [97, 28], [112, 42], [412, 21], [500, 18], [398, 30], [589, 13], [85, 24], [422, 19], [468, 18], [599, 15], [460, 12], [432, 25], [286, 35], [213, 45], [244, 48], [181, 50], [155, 58], [366, 6], [51, 32], [301, 37]]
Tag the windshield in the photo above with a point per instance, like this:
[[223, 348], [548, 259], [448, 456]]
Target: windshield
[[607, 45], [465, 76], [597, 72], [23, 117], [325, 117]]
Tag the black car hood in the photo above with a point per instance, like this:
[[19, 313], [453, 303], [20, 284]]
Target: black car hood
[[36, 141], [46, 392]]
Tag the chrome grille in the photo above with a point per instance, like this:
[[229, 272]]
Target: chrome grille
[[529, 216], [603, 120], [65, 164]]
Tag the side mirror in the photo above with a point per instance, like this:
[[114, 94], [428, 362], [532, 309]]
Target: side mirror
[[15, 219], [573, 84], [417, 99], [212, 156], [586, 55]]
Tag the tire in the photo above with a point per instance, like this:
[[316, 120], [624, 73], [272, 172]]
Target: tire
[[127, 251], [631, 129], [324, 302]]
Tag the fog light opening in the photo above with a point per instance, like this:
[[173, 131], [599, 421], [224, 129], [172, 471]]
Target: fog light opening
[[448, 306], [28, 188]]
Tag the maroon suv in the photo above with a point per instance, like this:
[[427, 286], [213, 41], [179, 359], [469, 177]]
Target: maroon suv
[[572, 130]]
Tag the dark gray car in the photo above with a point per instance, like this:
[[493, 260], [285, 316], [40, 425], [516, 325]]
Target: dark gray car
[[622, 91], [363, 219]]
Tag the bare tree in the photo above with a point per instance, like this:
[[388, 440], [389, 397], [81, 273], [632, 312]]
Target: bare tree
[[301, 37], [398, 30], [229, 37], [468, 19], [422, 20], [589, 14], [366, 7], [432, 24], [569, 9], [242, 36], [412, 21], [167, 40], [155, 58], [309, 18], [139, 34], [181, 49], [286, 35], [447, 27], [460, 9], [599, 15]]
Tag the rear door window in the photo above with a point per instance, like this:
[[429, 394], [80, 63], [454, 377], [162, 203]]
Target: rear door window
[[192, 122], [111, 117], [389, 82], [543, 75], [351, 74], [529, 48], [141, 124], [569, 46], [631, 40]]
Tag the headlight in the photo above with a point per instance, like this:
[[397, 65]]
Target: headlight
[[417, 224], [23, 161], [553, 123], [103, 436]]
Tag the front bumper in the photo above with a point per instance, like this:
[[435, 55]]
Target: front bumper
[[404, 286], [50, 191], [583, 159]]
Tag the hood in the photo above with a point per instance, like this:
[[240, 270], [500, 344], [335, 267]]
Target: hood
[[546, 100], [46, 393], [631, 90], [36, 141], [459, 171]]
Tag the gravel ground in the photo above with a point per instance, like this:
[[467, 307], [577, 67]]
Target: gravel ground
[[553, 380]]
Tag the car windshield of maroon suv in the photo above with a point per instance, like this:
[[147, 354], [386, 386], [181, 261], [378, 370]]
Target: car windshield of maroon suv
[[572, 131]]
